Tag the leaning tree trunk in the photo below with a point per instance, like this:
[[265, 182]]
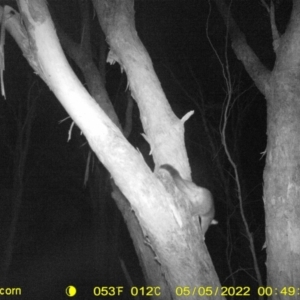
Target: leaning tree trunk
[[173, 236]]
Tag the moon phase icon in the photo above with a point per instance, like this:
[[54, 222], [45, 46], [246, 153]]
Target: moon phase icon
[[71, 291]]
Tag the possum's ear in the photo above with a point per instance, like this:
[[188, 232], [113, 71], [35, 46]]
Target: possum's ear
[[168, 181]]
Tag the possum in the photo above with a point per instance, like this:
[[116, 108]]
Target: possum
[[200, 198]]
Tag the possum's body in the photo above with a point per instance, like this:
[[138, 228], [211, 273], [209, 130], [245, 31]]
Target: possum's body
[[200, 198]]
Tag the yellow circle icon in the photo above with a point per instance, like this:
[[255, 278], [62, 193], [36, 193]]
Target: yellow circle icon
[[71, 291]]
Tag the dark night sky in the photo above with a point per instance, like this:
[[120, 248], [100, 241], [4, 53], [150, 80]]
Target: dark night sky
[[55, 200]]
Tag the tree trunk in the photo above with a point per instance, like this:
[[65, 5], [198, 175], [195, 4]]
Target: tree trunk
[[171, 233], [281, 175], [282, 185]]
